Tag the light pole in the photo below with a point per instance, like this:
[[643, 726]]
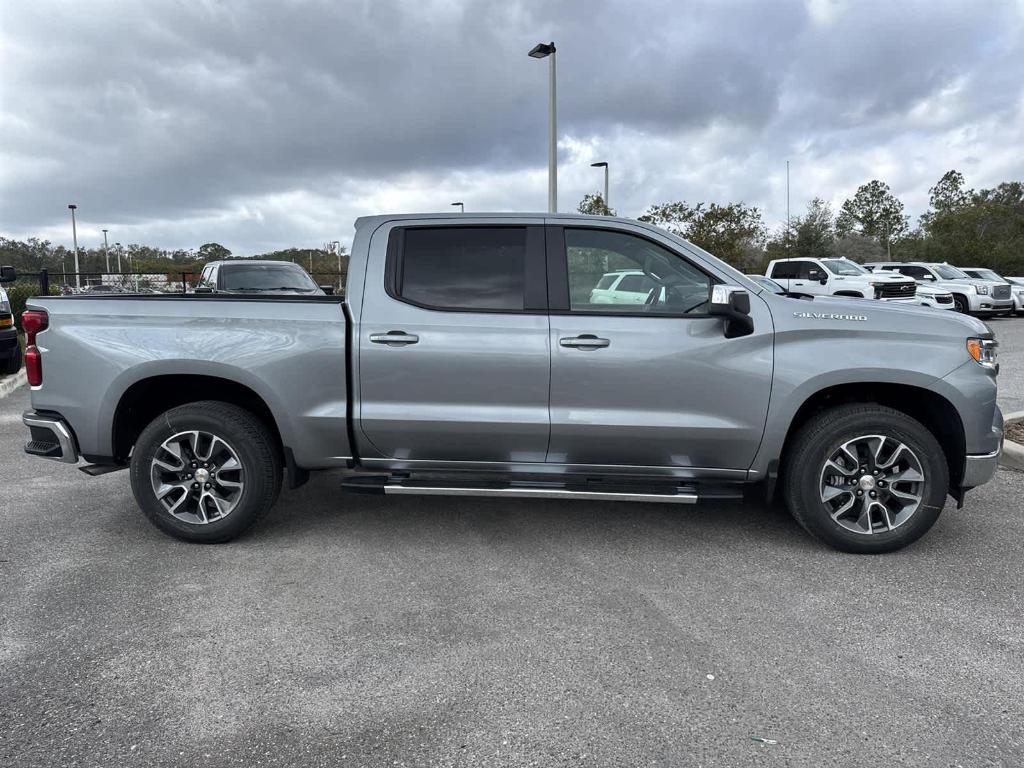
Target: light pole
[[461, 207], [605, 166], [117, 247], [74, 236], [106, 250], [540, 51], [336, 245]]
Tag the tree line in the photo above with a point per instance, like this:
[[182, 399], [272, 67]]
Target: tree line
[[33, 255], [962, 226]]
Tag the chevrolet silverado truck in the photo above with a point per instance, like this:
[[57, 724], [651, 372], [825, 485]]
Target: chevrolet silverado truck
[[469, 357], [840, 277]]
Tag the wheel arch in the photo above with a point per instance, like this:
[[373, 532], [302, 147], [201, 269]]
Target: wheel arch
[[147, 398], [938, 415], [851, 294]]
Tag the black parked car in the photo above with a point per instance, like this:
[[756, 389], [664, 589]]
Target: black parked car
[[10, 350]]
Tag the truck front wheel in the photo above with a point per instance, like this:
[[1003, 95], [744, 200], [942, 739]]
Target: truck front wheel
[[205, 471], [960, 304], [865, 478]]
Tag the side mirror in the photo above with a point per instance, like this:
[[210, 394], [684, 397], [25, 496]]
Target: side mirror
[[8, 275], [328, 289], [732, 303]]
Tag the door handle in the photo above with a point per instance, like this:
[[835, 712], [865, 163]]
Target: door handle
[[584, 341], [394, 338]]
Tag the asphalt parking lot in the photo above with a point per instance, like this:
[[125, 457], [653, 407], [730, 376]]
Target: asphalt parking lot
[[356, 630]]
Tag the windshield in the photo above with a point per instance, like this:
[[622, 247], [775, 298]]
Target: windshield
[[987, 274], [266, 277], [843, 267], [947, 272]]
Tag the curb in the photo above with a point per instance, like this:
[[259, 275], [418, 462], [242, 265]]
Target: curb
[[1012, 456], [11, 383]]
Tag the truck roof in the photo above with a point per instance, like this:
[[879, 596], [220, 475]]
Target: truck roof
[[376, 219]]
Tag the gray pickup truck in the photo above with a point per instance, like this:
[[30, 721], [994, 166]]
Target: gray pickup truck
[[477, 355]]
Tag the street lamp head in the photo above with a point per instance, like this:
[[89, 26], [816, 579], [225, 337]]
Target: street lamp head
[[104, 231], [541, 50], [599, 165], [456, 203], [72, 206]]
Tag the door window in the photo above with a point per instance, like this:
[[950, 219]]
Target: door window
[[463, 268], [793, 270], [918, 273], [655, 280]]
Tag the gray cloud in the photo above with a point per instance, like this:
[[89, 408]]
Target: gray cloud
[[275, 123]]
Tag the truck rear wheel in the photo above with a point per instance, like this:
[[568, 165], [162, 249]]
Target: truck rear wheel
[[865, 478], [205, 471]]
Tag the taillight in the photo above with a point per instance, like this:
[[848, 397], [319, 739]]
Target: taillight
[[32, 322]]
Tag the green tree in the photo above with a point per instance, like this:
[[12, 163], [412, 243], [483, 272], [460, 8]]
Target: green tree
[[733, 232], [595, 205], [213, 252], [873, 212], [809, 236]]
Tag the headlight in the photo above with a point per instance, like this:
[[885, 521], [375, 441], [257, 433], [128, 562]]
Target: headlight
[[983, 351], [5, 307], [982, 289]]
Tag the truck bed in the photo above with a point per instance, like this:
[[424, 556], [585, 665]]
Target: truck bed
[[124, 351]]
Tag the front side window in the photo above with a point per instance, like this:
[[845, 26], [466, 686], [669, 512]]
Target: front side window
[[918, 273], [467, 268], [986, 274], [947, 272], [654, 280]]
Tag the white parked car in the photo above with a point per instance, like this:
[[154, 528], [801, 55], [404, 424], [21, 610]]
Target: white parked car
[[624, 286], [1017, 286], [840, 277], [970, 294], [1016, 289]]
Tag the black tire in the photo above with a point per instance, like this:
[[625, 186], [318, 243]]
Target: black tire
[[822, 436], [960, 303], [250, 440]]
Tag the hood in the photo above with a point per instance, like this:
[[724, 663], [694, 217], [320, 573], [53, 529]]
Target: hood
[[888, 277], [901, 317]]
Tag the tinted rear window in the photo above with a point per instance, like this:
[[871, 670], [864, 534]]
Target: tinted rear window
[[464, 267]]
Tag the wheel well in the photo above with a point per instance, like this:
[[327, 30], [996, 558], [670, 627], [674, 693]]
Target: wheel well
[[935, 412], [852, 294], [145, 400]]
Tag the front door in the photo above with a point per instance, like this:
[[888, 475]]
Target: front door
[[655, 384], [453, 344]]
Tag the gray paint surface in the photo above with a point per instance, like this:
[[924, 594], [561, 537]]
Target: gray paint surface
[[667, 396]]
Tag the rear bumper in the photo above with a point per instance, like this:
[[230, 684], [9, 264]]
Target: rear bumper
[[51, 437], [9, 344]]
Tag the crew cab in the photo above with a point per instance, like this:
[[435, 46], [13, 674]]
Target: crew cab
[[839, 277], [469, 358], [970, 295]]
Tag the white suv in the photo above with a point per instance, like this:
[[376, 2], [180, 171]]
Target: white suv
[[624, 286], [1016, 290], [840, 277], [979, 297]]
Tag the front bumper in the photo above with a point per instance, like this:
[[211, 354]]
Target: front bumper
[[51, 437], [986, 304], [979, 469]]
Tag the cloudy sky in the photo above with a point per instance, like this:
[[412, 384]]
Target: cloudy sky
[[270, 124]]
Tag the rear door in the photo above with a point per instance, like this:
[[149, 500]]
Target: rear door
[[655, 384], [454, 363]]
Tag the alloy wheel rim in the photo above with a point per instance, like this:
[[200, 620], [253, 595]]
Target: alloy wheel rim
[[872, 484], [197, 477]]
